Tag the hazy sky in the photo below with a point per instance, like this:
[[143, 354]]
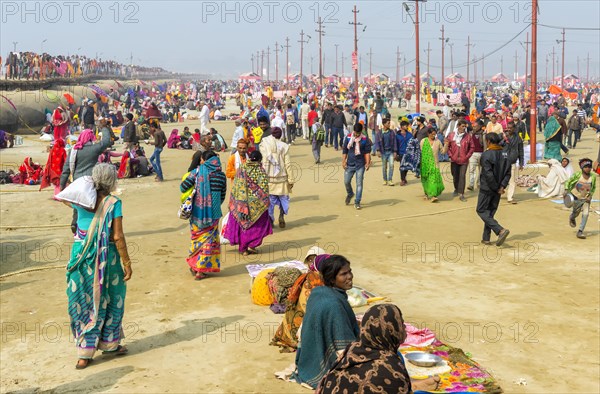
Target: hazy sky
[[219, 38]]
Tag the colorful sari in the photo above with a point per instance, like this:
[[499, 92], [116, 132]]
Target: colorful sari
[[286, 335], [95, 286], [431, 178], [125, 166], [248, 206], [552, 148], [30, 172], [205, 247]]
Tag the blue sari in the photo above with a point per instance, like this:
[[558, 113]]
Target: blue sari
[[95, 286], [329, 325]]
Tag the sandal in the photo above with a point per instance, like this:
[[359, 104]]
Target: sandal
[[434, 199], [252, 251], [120, 351], [200, 276], [83, 363]]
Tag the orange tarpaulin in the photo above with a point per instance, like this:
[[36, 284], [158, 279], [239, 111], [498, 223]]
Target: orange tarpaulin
[[553, 89]]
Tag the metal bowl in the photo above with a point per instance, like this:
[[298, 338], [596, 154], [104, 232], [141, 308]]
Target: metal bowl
[[568, 200], [422, 359]]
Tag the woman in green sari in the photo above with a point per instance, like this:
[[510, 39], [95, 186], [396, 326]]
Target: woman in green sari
[[431, 178], [553, 136], [97, 271]]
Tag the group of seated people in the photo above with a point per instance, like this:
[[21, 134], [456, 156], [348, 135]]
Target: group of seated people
[[187, 140], [333, 353]]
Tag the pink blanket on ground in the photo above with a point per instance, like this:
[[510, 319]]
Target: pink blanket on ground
[[418, 337]]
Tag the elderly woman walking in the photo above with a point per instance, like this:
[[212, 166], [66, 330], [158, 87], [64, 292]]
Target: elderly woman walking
[[97, 271], [210, 185]]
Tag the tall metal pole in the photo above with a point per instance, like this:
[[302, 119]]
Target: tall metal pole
[[516, 74], [533, 95], [277, 61], [302, 60], [262, 63], [287, 63], [553, 64], [370, 63], [562, 73], [587, 76], [320, 31], [418, 61], [443, 46], [526, 58], [468, 56], [343, 60], [451, 58], [268, 63], [336, 59], [547, 61], [397, 64], [355, 54]]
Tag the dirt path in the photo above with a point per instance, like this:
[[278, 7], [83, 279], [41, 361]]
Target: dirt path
[[526, 311]]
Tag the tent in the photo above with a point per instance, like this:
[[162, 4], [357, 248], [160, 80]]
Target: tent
[[409, 77], [249, 77], [554, 89], [499, 78], [455, 78], [427, 77]]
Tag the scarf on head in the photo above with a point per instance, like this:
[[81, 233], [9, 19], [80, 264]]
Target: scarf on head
[[372, 363], [86, 136], [552, 127], [355, 141], [318, 261]]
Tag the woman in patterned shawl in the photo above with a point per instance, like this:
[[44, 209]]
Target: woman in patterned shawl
[[210, 186], [248, 206]]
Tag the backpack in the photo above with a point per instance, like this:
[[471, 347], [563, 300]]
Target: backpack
[[320, 137], [289, 118]]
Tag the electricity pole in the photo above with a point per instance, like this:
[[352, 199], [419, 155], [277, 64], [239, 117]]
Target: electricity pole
[[451, 57], [562, 73], [287, 63], [417, 50], [587, 76], [526, 47], [370, 63], [355, 54], [268, 62], [443, 46], [469, 45], [336, 59], [428, 50], [397, 64], [320, 31], [533, 89], [262, 63], [302, 42], [277, 50], [516, 64]]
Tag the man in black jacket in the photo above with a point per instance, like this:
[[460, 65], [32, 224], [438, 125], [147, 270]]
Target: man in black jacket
[[513, 146], [88, 116], [130, 137], [495, 175], [326, 119]]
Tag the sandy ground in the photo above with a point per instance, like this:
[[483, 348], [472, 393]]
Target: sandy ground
[[527, 311]]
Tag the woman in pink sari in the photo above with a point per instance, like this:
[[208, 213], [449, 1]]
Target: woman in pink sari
[[174, 140]]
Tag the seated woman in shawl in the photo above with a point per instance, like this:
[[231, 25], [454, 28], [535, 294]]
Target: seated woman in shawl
[[30, 172], [97, 272], [249, 206], [329, 324], [431, 178], [54, 166], [286, 335], [371, 364], [174, 141], [553, 184], [210, 190]]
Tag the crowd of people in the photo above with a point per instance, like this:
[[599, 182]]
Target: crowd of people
[[34, 66], [485, 146]]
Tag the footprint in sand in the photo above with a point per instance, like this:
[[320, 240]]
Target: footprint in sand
[[162, 252]]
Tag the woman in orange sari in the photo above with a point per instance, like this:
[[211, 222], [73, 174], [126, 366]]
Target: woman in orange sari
[[286, 335]]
